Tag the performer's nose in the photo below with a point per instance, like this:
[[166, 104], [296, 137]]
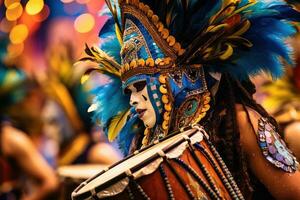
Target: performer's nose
[[133, 100]]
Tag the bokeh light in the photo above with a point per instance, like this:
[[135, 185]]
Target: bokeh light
[[94, 6], [6, 26], [29, 25], [14, 11], [7, 3], [43, 15], [82, 1], [18, 34], [30, 21], [84, 23], [33, 7], [15, 50]]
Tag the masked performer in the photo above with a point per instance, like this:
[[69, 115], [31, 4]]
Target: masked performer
[[173, 64]]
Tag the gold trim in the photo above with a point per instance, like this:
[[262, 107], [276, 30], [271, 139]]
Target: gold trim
[[204, 109], [143, 67], [146, 137], [167, 104], [155, 27], [161, 35]]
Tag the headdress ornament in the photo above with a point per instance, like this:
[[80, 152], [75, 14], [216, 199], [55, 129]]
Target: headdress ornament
[[176, 46]]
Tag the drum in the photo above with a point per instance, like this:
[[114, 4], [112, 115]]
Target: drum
[[182, 166], [72, 175]]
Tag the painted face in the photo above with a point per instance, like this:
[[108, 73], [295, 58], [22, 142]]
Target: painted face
[[139, 98]]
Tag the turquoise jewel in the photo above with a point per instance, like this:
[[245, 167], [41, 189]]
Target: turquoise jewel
[[192, 108]]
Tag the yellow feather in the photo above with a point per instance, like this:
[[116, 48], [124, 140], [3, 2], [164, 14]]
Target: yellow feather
[[227, 53], [84, 78], [251, 3], [116, 125], [216, 28], [242, 40], [245, 28], [119, 34]]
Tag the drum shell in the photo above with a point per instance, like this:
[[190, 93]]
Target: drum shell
[[154, 186], [194, 164]]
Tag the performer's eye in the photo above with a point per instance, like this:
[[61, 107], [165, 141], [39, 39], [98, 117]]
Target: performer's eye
[[139, 86], [127, 91]]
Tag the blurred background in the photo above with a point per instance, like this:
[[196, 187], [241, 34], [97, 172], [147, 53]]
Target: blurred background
[[43, 105], [48, 143]]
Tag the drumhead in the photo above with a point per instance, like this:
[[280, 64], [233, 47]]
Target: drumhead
[[133, 163]]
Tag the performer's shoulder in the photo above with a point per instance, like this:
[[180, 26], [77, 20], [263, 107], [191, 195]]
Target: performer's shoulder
[[257, 132]]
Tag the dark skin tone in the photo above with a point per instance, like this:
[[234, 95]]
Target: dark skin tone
[[292, 137], [280, 184]]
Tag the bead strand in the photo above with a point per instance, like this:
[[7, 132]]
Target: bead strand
[[167, 183], [130, 194], [181, 181], [204, 170], [197, 177], [140, 189], [225, 169], [216, 167]]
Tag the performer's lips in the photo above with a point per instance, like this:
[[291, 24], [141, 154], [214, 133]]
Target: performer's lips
[[141, 112]]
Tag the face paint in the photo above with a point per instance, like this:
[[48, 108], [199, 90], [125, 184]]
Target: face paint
[[139, 99]]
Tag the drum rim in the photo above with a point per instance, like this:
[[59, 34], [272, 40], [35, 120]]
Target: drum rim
[[105, 185]]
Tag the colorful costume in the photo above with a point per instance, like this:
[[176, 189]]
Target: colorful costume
[[192, 55]]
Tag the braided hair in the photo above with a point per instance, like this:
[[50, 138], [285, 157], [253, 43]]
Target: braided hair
[[224, 130]]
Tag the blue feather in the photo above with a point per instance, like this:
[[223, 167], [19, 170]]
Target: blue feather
[[108, 40], [110, 101], [269, 30], [133, 126], [186, 20]]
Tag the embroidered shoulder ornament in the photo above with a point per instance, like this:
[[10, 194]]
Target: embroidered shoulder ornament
[[274, 148]]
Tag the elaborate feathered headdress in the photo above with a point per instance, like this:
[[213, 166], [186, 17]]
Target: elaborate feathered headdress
[[161, 37]]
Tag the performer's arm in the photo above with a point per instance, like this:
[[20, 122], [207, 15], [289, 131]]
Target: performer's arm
[[19, 147], [292, 137], [281, 184]]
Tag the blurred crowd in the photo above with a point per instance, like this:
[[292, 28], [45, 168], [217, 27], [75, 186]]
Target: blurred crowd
[[46, 133], [48, 143]]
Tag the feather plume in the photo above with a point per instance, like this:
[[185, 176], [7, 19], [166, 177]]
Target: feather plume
[[110, 102], [116, 125], [132, 127], [239, 37]]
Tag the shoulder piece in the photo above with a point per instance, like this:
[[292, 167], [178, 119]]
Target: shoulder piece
[[274, 148]]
